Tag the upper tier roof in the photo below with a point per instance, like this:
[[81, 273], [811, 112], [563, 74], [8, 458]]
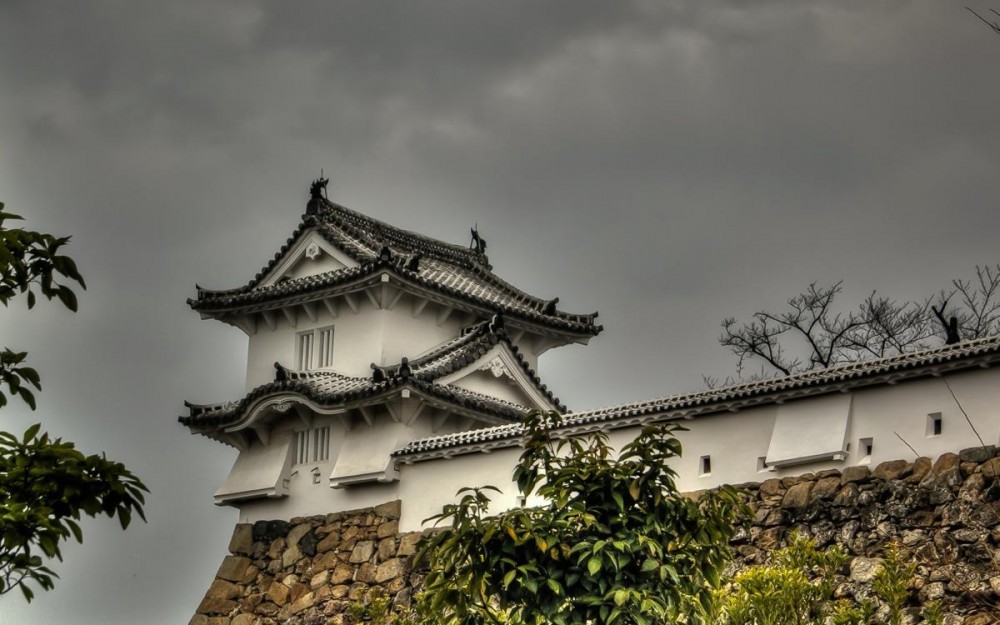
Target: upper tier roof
[[984, 352], [329, 389], [459, 274]]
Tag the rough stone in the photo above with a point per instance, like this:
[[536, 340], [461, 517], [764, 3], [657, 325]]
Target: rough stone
[[386, 549], [408, 544], [269, 530], [233, 568], [278, 594], [826, 488], [771, 487], [847, 496], [320, 579], [991, 468], [211, 605], [342, 574], [389, 510], [244, 619], [390, 569], [921, 467], [797, 496], [932, 592], [297, 533], [241, 542], [864, 569], [290, 556], [363, 551], [277, 547], [858, 473], [387, 529], [329, 542], [977, 454], [366, 573], [303, 602], [892, 470], [947, 469], [221, 589], [979, 619]]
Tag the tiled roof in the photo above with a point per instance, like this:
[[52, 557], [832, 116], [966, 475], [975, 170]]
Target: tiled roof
[[329, 388], [967, 354], [456, 272]]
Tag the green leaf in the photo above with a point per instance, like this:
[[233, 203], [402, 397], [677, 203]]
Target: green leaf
[[594, 565], [633, 489], [31, 432], [509, 577]]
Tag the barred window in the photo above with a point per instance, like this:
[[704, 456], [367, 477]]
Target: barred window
[[312, 445]]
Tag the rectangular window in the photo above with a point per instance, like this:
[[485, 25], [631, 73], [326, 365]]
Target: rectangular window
[[935, 424], [325, 348], [705, 466], [305, 351], [314, 349], [865, 448], [312, 445], [302, 447], [321, 444]]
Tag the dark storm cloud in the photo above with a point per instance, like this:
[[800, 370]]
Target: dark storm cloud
[[668, 163]]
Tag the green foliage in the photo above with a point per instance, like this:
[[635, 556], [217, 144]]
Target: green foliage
[[794, 588], [30, 262], [46, 484], [376, 609], [892, 580], [613, 543]]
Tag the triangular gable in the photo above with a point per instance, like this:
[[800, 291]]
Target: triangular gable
[[499, 374], [309, 255]]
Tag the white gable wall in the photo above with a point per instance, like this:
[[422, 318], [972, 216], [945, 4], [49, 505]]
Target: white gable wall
[[359, 339], [733, 440]]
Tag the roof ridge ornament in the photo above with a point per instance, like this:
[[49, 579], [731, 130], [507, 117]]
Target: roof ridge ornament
[[379, 374], [478, 243], [550, 306], [317, 193], [280, 373]]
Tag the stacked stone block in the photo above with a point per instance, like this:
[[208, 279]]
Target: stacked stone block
[[307, 571], [945, 514]]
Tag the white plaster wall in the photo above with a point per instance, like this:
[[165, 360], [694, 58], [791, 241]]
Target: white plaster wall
[[733, 440], [359, 339], [425, 487], [502, 387], [307, 496]]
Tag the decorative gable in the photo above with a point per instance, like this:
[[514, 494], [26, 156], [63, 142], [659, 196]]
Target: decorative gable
[[499, 373], [310, 255]]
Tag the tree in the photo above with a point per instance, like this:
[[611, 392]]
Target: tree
[[613, 542], [45, 483], [810, 333]]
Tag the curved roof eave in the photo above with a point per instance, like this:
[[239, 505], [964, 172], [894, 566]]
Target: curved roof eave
[[928, 363]]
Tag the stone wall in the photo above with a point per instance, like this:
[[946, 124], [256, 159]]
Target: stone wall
[[307, 571], [945, 514]]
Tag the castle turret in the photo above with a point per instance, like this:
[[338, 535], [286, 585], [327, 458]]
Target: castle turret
[[362, 338]]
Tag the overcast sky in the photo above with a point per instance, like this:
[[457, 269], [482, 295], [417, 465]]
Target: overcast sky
[[665, 163]]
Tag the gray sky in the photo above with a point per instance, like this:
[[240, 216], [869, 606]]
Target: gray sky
[[666, 163]]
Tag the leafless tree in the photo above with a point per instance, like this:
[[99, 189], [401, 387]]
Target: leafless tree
[[809, 334], [812, 334], [994, 25], [978, 303]]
